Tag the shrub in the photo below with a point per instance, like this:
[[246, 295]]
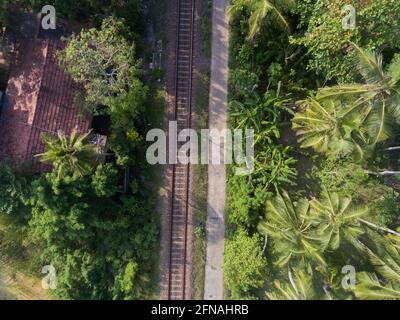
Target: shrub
[[244, 266]]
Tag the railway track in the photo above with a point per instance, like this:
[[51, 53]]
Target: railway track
[[179, 280]]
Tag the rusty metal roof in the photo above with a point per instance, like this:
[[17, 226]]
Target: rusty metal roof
[[39, 98]]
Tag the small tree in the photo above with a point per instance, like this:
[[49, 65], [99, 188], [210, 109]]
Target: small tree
[[102, 61]]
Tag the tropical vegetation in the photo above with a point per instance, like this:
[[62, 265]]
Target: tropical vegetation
[[92, 215], [324, 100]]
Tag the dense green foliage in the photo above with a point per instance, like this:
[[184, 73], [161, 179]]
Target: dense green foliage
[[94, 222], [98, 243], [109, 73], [245, 265], [327, 41], [339, 209], [126, 114], [13, 191], [84, 11]]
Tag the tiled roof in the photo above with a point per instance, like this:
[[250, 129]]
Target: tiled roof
[[39, 98]]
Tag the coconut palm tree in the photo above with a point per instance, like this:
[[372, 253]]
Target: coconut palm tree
[[329, 127], [305, 229], [69, 155], [384, 255], [259, 9], [378, 96], [337, 219], [287, 224], [369, 287], [299, 287]]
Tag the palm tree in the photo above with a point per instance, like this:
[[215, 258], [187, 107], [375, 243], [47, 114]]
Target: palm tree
[[378, 96], [384, 255], [329, 127], [307, 228], [337, 219], [287, 224], [299, 287], [69, 155], [369, 287], [259, 9]]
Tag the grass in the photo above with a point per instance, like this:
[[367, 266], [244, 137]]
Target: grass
[[200, 174], [19, 264], [206, 28], [154, 115], [200, 178], [158, 18], [16, 285]]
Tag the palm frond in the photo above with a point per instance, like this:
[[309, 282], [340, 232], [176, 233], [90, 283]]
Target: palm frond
[[69, 155], [299, 287], [370, 65], [286, 223], [394, 71], [369, 287]]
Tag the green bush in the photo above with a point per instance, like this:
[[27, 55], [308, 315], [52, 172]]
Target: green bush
[[341, 176], [126, 113], [244, 266], [388, 210], [101, 248], [14, 190]]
